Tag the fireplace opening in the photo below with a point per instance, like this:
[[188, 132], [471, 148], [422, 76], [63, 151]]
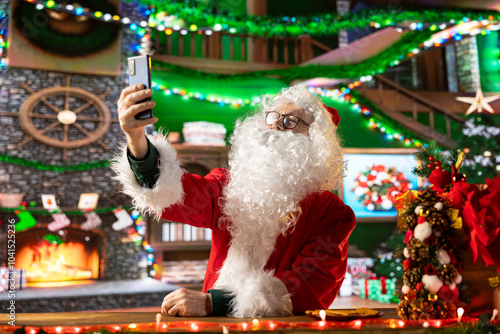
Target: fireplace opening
[[65, 255]]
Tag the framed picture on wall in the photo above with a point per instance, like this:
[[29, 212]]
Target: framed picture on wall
[[374, 177]]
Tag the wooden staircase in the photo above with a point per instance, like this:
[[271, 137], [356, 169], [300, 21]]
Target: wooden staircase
[[417, 104]]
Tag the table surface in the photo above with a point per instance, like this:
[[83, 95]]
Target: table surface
[[103, 318]]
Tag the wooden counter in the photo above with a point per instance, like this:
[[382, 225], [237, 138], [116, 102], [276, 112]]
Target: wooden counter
[[146, 322]]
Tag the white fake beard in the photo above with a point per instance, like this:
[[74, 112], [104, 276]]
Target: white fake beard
[[270, 173]]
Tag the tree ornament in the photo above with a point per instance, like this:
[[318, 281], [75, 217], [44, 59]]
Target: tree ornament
[[432, 158], [432, 283], [430, 166], [443, 256], [438, 206], [437, 163], [423, 231], [423, 212]]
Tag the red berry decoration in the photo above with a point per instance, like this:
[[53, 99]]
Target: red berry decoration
[[430, 166], [431, 158], [437, 163]]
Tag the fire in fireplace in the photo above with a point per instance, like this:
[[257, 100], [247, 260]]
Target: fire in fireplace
[[69, 254]]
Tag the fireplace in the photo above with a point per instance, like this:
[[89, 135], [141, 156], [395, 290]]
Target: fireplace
[[66, 255]]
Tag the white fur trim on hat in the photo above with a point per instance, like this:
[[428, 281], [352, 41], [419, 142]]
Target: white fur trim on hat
[[168, 188]]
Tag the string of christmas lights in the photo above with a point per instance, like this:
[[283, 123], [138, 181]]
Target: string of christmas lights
[[261, 325], [408, 46], [3, 40], [322, 24], [198, 15], [235, 102]]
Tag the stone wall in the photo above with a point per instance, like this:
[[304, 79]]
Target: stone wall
[[67, 186]]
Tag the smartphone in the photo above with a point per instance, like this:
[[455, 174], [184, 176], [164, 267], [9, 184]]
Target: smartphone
[[139, 71]]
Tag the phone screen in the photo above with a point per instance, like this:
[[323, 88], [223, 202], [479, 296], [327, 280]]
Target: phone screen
[[139, 71]]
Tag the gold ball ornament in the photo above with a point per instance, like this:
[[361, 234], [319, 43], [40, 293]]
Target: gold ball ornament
[[423, 213], [432, 297]]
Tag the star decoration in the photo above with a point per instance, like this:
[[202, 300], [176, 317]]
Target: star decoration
[[479, 102]]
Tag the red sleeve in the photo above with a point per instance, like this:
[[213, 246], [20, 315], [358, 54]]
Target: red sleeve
[[200, 207], [319, 269]]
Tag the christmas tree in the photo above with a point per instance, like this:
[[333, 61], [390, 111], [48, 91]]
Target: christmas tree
[[481, 141]]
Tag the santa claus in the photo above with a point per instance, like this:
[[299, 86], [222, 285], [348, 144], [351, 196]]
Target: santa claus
[[279, 235]]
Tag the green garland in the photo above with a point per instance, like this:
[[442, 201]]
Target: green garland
[[57, 168], [69, 213], [377, 64], [314, 25]]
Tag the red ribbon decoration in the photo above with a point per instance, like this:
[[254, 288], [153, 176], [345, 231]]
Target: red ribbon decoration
[[384, 285]]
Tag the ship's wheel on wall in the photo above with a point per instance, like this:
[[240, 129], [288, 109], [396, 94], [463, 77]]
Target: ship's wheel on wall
[[64, 117]]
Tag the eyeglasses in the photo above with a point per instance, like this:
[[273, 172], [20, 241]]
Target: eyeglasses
[[289, 121]]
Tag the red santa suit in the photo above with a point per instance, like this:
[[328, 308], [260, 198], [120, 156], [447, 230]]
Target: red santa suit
[[309, 259]]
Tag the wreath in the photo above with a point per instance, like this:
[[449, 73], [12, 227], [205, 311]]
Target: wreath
[[100, 35], [376, 188]]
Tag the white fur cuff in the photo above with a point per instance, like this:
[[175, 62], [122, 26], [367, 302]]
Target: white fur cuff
[[264, 297], [168, 188]]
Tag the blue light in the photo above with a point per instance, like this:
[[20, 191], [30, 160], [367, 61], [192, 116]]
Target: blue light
[[137, 47], [79, 11], [133, 26], [458, 37], [420, 25], [347, 90], [294, 19], [147, 12], [285, 18]]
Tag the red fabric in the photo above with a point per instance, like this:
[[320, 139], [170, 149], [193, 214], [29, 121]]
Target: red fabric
[[311, 261], [334, 114], [383, 285]]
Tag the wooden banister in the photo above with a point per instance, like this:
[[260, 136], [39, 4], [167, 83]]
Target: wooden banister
[[284, 50], [393, 109], [419, 98]]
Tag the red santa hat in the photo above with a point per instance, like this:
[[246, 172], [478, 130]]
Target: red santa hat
[[334, 114]]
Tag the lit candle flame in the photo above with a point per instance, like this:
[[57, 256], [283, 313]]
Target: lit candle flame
[[158, 319], [460, 313], [494, 315], [322, 315]]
